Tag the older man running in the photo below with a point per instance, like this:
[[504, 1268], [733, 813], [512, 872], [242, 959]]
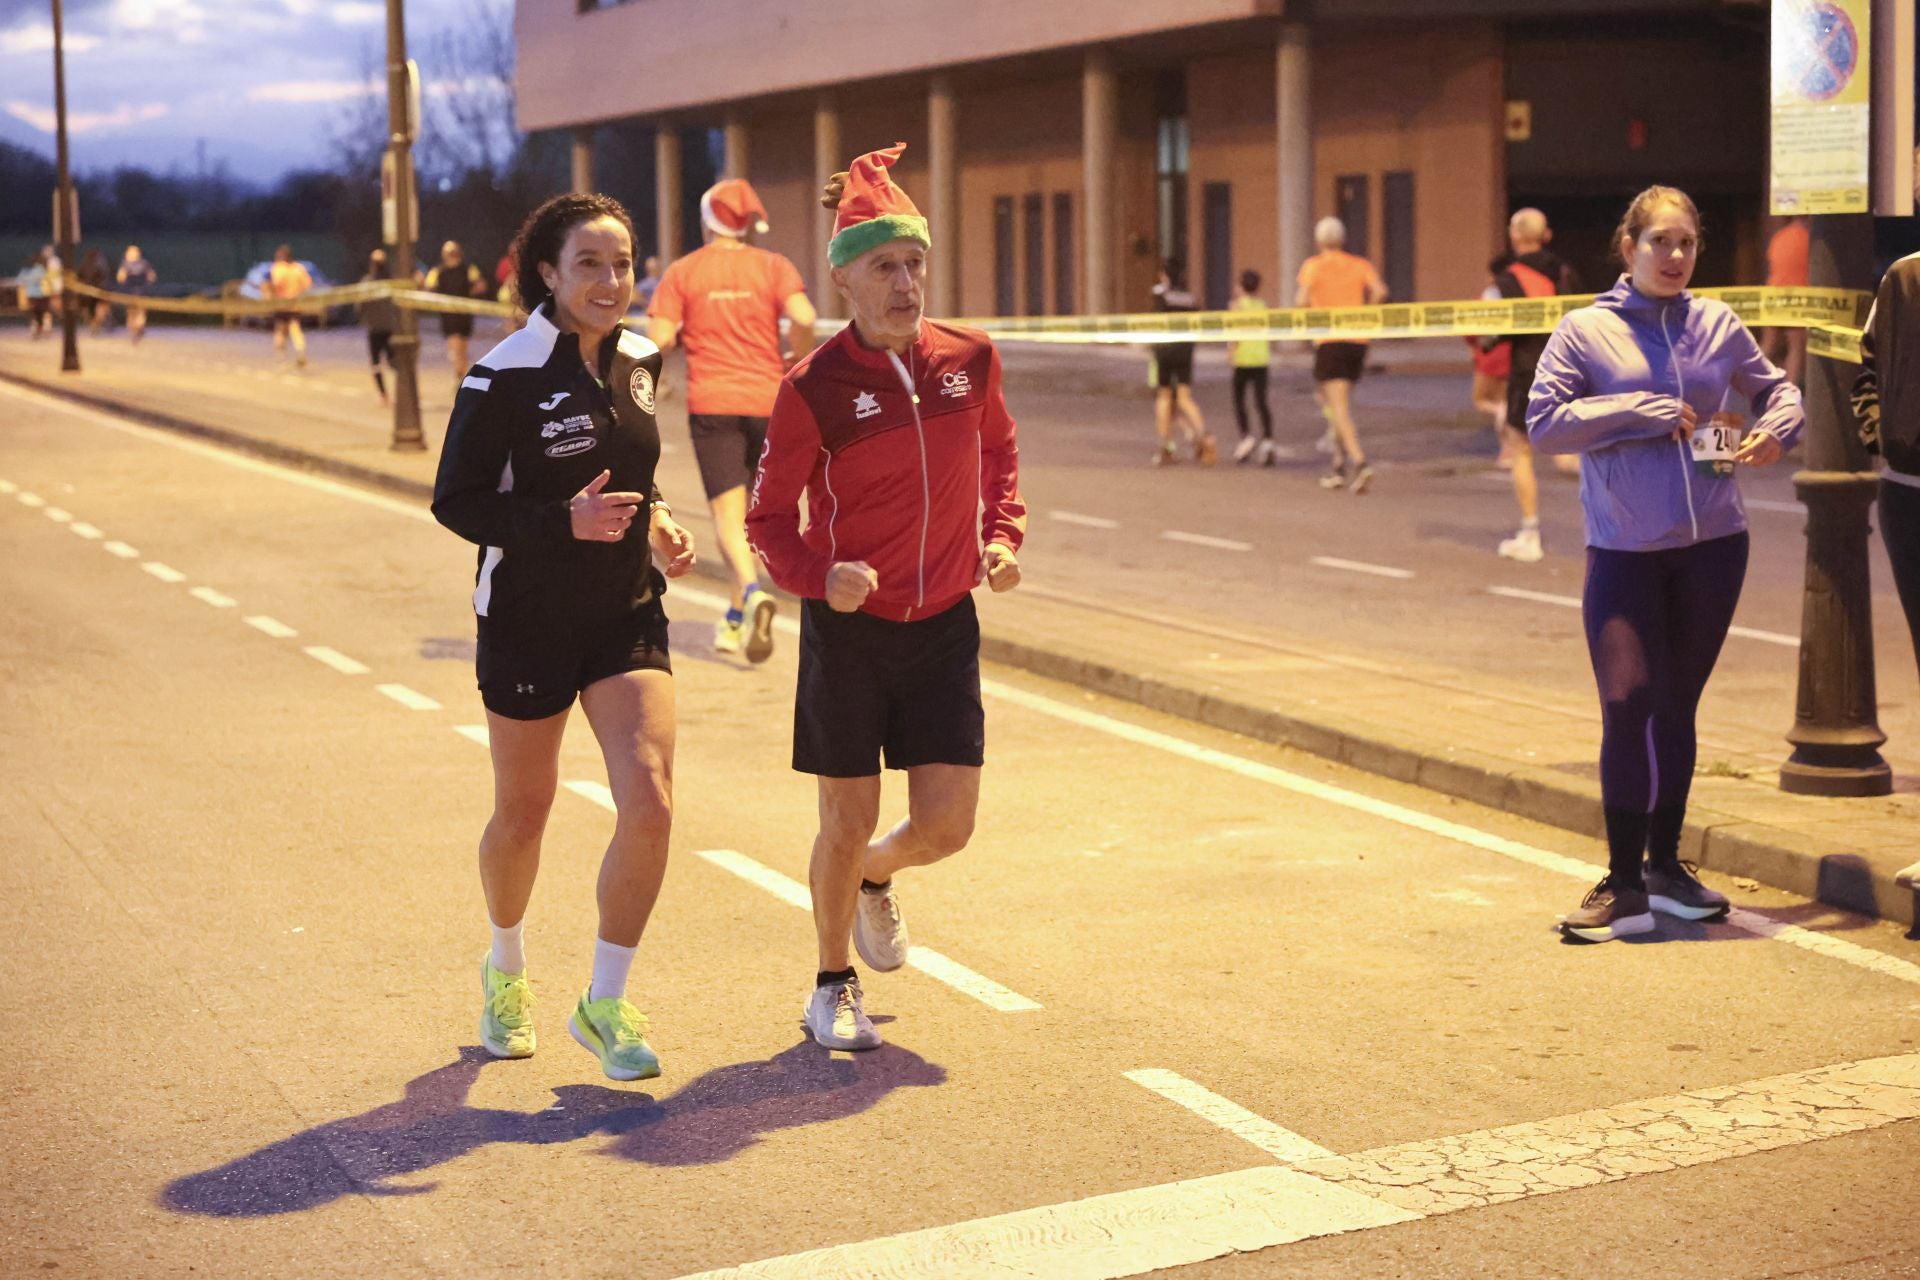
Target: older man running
[[896, 431]]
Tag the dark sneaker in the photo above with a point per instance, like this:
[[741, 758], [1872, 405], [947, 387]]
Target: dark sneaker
[[1608, 913], [1334, 479], [1677, 891], [1362, 479]]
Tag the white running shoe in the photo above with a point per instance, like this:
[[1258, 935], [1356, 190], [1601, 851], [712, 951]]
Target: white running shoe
[[879, 934], [1325, 443], [726, 636], [1244, 450], [1268, 452], [1523, 546], [836, 1020]]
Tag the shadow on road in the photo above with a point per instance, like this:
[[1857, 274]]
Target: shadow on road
[[714, 1118]]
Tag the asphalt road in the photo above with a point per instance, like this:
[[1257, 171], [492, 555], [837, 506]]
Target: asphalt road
[[1198, 994]]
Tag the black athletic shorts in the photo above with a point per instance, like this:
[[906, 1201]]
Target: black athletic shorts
[[727, 446], [524, 678], [289, 317], [908, 691], [379, 345], [453, 326], [1339, 361], [1173, 365]]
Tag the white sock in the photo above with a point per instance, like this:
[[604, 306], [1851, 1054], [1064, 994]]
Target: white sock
[[508, 955], [1531, 524], [610, 967]]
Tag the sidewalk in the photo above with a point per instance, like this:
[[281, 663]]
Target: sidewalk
[[1522, 749]]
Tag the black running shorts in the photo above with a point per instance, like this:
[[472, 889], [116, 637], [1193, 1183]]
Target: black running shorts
[[908, 691], [1339, 361], [379, 345], [456, 326], [527, 678], [727, 446], [1173, 365]]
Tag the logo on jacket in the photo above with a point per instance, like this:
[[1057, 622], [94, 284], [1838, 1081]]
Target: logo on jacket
[[864, 405], [956, 384], [551, 405], [641, 385], [567, 448], [566, 427]]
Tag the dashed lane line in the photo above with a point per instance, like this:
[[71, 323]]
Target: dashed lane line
[[121, 549], [475, 733], [1086, 522], [8, 486], [408, 698], [28, 499], [164, 572], [1361, 566], [337, 660], [270, 626], [208, 595], [928, 961], [1204, 540], [59, 515], [1283, 1145], [1573, 602], [82, 529]]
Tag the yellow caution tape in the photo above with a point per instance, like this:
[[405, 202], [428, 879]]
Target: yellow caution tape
[[310, 303]]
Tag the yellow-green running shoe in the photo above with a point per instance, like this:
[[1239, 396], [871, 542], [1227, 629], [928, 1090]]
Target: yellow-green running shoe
[[506, 1012], [615, 1032]]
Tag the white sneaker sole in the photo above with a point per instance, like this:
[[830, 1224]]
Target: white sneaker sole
[[1684, 911], [1624, 927], [760, 636], [827, 1040], [613, 1072]]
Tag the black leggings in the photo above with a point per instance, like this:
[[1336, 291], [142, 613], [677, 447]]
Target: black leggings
[[1900, 529], [1257, 379], [1655, 622]]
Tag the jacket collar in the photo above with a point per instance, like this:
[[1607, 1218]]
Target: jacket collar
[[877, 359], [1629, 301], [567, 343]]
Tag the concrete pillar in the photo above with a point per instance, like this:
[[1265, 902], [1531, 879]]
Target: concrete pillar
[[735, 163], [1099, 126], [666, 190], [1293, 145], [943, 198], [827, 161], [583, 159]]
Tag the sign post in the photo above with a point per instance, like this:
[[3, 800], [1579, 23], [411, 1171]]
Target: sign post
[[1822, 136]]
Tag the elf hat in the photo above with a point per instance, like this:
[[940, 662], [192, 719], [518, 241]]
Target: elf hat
[[730, 208], [873, 211]]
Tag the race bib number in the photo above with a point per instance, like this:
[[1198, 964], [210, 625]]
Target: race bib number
[[1715, 444]]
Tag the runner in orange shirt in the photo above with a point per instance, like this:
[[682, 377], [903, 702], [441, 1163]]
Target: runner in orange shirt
[[286, 281], [724, 303], [1787, 269], [1335, 278]]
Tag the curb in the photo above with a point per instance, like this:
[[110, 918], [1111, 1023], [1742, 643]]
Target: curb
[[1785, 859]]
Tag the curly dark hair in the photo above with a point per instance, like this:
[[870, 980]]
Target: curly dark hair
[[544, 232]]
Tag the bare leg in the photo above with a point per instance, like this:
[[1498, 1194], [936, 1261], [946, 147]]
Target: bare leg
[[941, 802], [849, 812], [526, 771], [1163, 415], [298, 337], [1190, 411], [730, 531], [1338, 394], [633, 717], [1526, 485]]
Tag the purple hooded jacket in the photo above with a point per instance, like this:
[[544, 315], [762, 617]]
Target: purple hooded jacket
[[1609, 388]]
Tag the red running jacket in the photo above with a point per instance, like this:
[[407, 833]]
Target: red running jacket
[[907, 463]]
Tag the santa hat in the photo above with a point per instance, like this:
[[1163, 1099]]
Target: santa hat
[[873, 210], [730, 208]]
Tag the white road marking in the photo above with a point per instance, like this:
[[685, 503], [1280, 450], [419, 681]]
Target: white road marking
[[1282, 1144], [337, 660], [925, 959], [474, 733], [212, 597], [278, 630], [164, 572], [1538, 597], [1204, 540], [8, 486], [1127, 1233], [59, 515], [1769, 637], [407, 698], [1768, 504], [85, 530], [120, 549], [1090, 522], [1361, 566], [30, 499], [1573, 868]]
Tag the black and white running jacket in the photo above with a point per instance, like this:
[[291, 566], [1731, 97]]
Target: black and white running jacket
[[531, 427]]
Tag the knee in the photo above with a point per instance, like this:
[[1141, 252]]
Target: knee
[[645, 794], [946, 834]]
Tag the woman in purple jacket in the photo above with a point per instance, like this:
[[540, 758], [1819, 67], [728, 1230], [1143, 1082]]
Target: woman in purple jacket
[[1652, 387]]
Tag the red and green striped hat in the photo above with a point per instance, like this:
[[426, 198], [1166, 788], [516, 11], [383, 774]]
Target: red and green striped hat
[[873, 211]]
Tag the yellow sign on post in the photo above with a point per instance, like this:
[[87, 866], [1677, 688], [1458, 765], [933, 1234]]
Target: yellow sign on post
[[1821, 107]]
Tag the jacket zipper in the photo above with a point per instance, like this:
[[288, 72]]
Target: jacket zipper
[[926, 484], [1686, 451]]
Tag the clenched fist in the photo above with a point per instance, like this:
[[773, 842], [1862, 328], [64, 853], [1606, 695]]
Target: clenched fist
[[849, 583]]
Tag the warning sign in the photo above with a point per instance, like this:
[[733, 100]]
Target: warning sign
[[1821, 106]]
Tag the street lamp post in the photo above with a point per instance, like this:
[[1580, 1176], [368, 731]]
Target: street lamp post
[[407, 436], [63, 203]]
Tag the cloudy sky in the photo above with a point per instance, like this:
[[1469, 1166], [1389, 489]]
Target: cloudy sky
[[259, 82]]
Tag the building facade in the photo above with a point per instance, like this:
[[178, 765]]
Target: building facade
[[1062, 149]]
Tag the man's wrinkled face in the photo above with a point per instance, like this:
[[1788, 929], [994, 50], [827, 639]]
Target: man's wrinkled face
[[886, 287]]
